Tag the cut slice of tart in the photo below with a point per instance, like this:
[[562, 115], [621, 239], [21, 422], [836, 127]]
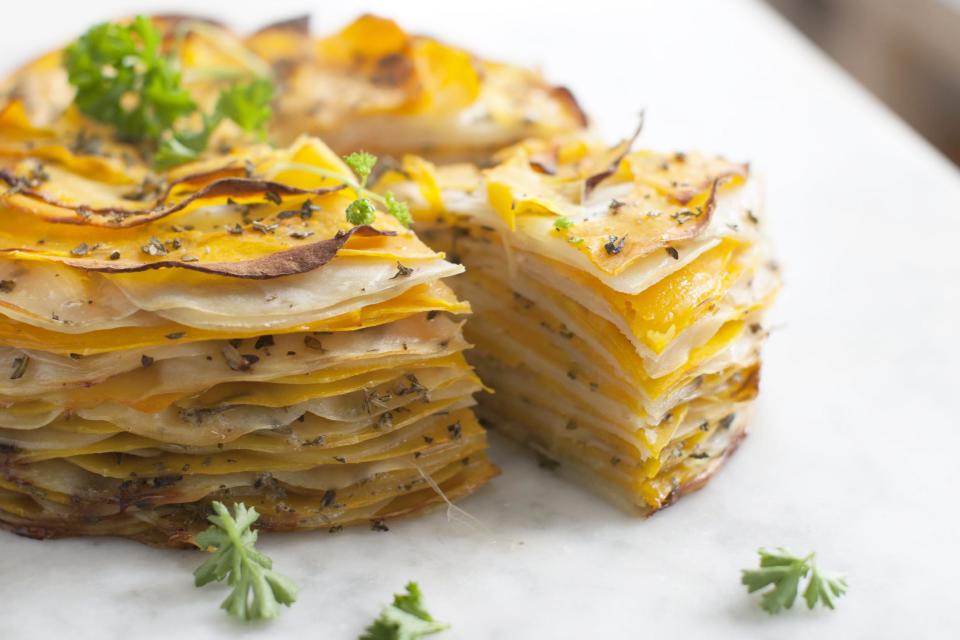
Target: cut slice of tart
[[619, 297]]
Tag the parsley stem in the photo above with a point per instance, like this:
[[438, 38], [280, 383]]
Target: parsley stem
[[333, 175]]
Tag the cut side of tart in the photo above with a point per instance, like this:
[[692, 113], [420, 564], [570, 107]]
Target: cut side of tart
[[619, 298]]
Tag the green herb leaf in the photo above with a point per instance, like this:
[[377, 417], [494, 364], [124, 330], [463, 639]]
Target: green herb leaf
[[122, 79], [562, 223], [825, 587], [248, 104], [183, 146], [405, 619], [360, 211], [399, 210], [257, 589], [784, 571], [362, 164]]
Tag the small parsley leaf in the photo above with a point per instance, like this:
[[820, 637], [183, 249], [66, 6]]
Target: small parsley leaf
[[362, 164], [360, 211], [248, 105], [181, 147], [784, 571], [562, 223], [825, 587], [399, 210], [257, 589], [405, 619]]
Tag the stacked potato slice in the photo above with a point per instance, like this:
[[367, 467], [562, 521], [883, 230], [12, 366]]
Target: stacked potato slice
[[218, 332], [618, 297]]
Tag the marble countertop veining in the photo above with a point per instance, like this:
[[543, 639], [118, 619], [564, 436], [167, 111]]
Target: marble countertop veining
[[855, 438]]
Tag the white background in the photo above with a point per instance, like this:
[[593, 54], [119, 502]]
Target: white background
[[855, 444]]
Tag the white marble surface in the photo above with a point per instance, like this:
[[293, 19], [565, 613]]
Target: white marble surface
[[857, 435]]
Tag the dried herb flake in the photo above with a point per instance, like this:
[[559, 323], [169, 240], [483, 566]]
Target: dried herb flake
[[20, 364]]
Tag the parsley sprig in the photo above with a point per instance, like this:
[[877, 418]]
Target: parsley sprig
[[111, 62], [784, 571], [123, 78], [405, 619], [361, 210], [257, 589]]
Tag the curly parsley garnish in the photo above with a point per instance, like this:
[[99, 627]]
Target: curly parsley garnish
[[124, 79], [112, 61], [784, 571], [257, 589], [405, 619], [361, 210]]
